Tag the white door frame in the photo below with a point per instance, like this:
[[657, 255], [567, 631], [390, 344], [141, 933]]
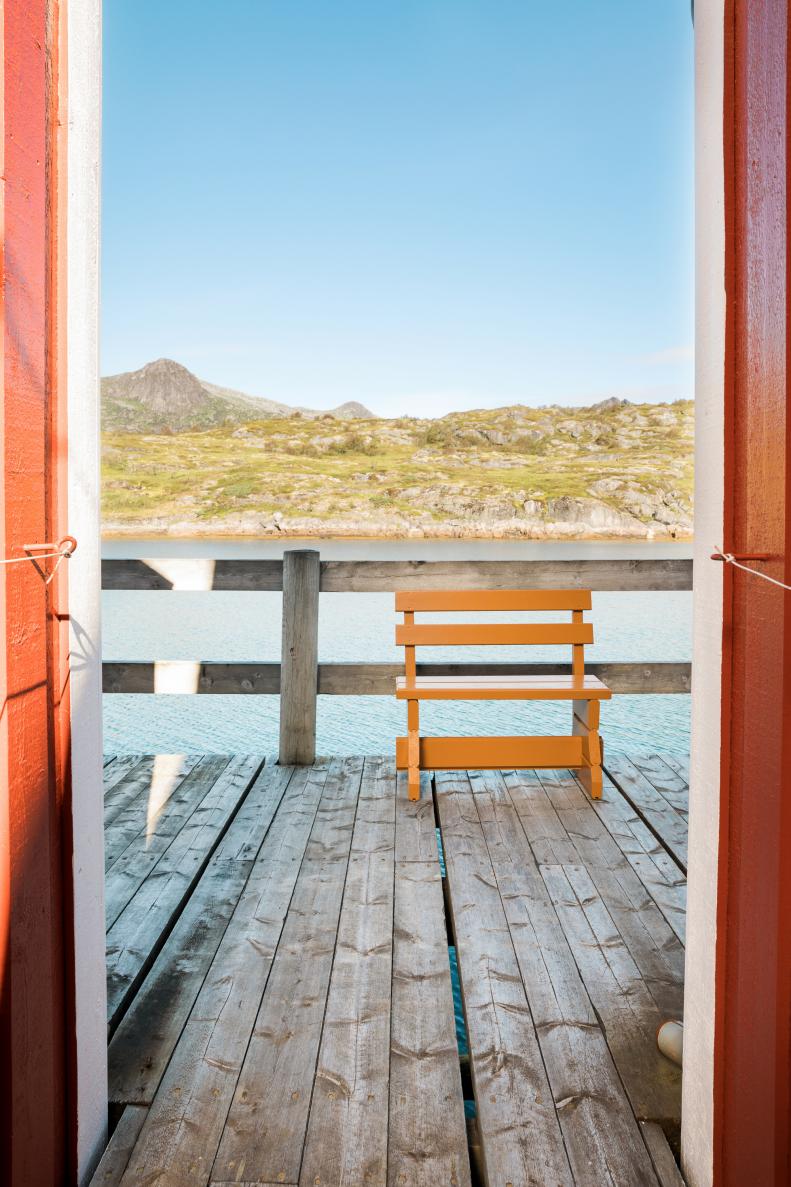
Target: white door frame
[[84, 128], [83, 106]]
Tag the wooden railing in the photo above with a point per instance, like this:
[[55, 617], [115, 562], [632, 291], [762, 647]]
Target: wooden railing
[[303, 576]]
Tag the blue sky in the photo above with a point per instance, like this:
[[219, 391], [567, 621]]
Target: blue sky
[[423, 204]]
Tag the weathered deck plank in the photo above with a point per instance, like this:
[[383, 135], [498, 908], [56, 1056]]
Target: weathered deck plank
[[519, 1127], [656, 869], [416, 829], [265, 1129], [627, 1011], [179, 1140], [600, 1131], [148, 1032], [630, 960], [671, 784], [666, 819], [427, 1138], [680, 763], [116, 1157], [134, 781], [648, 937], [151, 799], [427, 1141], [137, 934], [116, 767], [661, 1155], [346, 1141], [134, 847]]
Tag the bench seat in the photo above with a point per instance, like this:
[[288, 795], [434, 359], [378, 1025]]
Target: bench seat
[[580, 751], [502, 688]]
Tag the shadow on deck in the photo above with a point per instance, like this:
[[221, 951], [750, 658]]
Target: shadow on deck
[[280, 998]]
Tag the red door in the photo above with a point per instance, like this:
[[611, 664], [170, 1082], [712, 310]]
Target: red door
[[35, 1026], [754, 931]]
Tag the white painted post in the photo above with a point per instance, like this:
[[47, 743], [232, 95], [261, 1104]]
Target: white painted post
[[299, 656], [700, 984], [81, 238]]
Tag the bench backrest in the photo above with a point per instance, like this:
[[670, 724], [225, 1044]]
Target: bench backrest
[[440, 634]]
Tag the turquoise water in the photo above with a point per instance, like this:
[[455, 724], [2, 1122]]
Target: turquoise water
[[246, 626]]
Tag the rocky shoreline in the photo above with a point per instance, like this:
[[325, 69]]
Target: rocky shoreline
[[563, 519]]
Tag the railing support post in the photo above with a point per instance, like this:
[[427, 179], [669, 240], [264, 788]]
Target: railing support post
[[299, 657]]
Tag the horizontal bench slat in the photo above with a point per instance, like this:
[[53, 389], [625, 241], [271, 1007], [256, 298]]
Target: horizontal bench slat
[[493, 599], [506, 688], [450, 754], [500, 634]]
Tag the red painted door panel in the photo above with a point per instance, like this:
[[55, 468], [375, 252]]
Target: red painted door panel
[[754, 935], [35, 1023]]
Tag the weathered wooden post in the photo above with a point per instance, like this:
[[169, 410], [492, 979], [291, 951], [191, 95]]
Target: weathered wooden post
[[299, 656]]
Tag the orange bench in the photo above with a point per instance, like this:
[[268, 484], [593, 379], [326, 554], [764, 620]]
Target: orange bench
[[581, 750]]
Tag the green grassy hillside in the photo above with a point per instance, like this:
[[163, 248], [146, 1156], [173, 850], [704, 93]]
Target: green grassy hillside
[[611, 469]]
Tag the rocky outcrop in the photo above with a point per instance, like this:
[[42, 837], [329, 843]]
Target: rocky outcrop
[[443, 515]]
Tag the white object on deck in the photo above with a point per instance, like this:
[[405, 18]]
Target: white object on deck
[[670, 1041]]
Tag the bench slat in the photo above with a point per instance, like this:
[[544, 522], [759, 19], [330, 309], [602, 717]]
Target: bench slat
[[493, 599], [493, 753], [502, 688], [441, 634]]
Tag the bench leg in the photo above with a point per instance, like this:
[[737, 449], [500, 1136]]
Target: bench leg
[[413, 750], [585, 721]]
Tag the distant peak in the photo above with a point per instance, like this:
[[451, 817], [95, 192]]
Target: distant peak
[[165, 366], [352, 410]]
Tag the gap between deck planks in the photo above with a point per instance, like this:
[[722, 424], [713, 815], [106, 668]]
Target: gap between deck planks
[[365, 1037]]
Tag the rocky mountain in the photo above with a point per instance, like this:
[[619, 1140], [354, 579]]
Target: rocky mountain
[[164, 397], [350, 410], [614, 469]]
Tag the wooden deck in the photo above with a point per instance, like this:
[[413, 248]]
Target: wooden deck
[[279, 974]]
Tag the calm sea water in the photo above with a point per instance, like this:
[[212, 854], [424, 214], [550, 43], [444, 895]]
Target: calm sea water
[[246, 626]]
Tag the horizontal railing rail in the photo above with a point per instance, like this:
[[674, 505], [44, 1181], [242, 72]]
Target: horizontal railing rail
[[370, 679], [301, 576], [388, 576]]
